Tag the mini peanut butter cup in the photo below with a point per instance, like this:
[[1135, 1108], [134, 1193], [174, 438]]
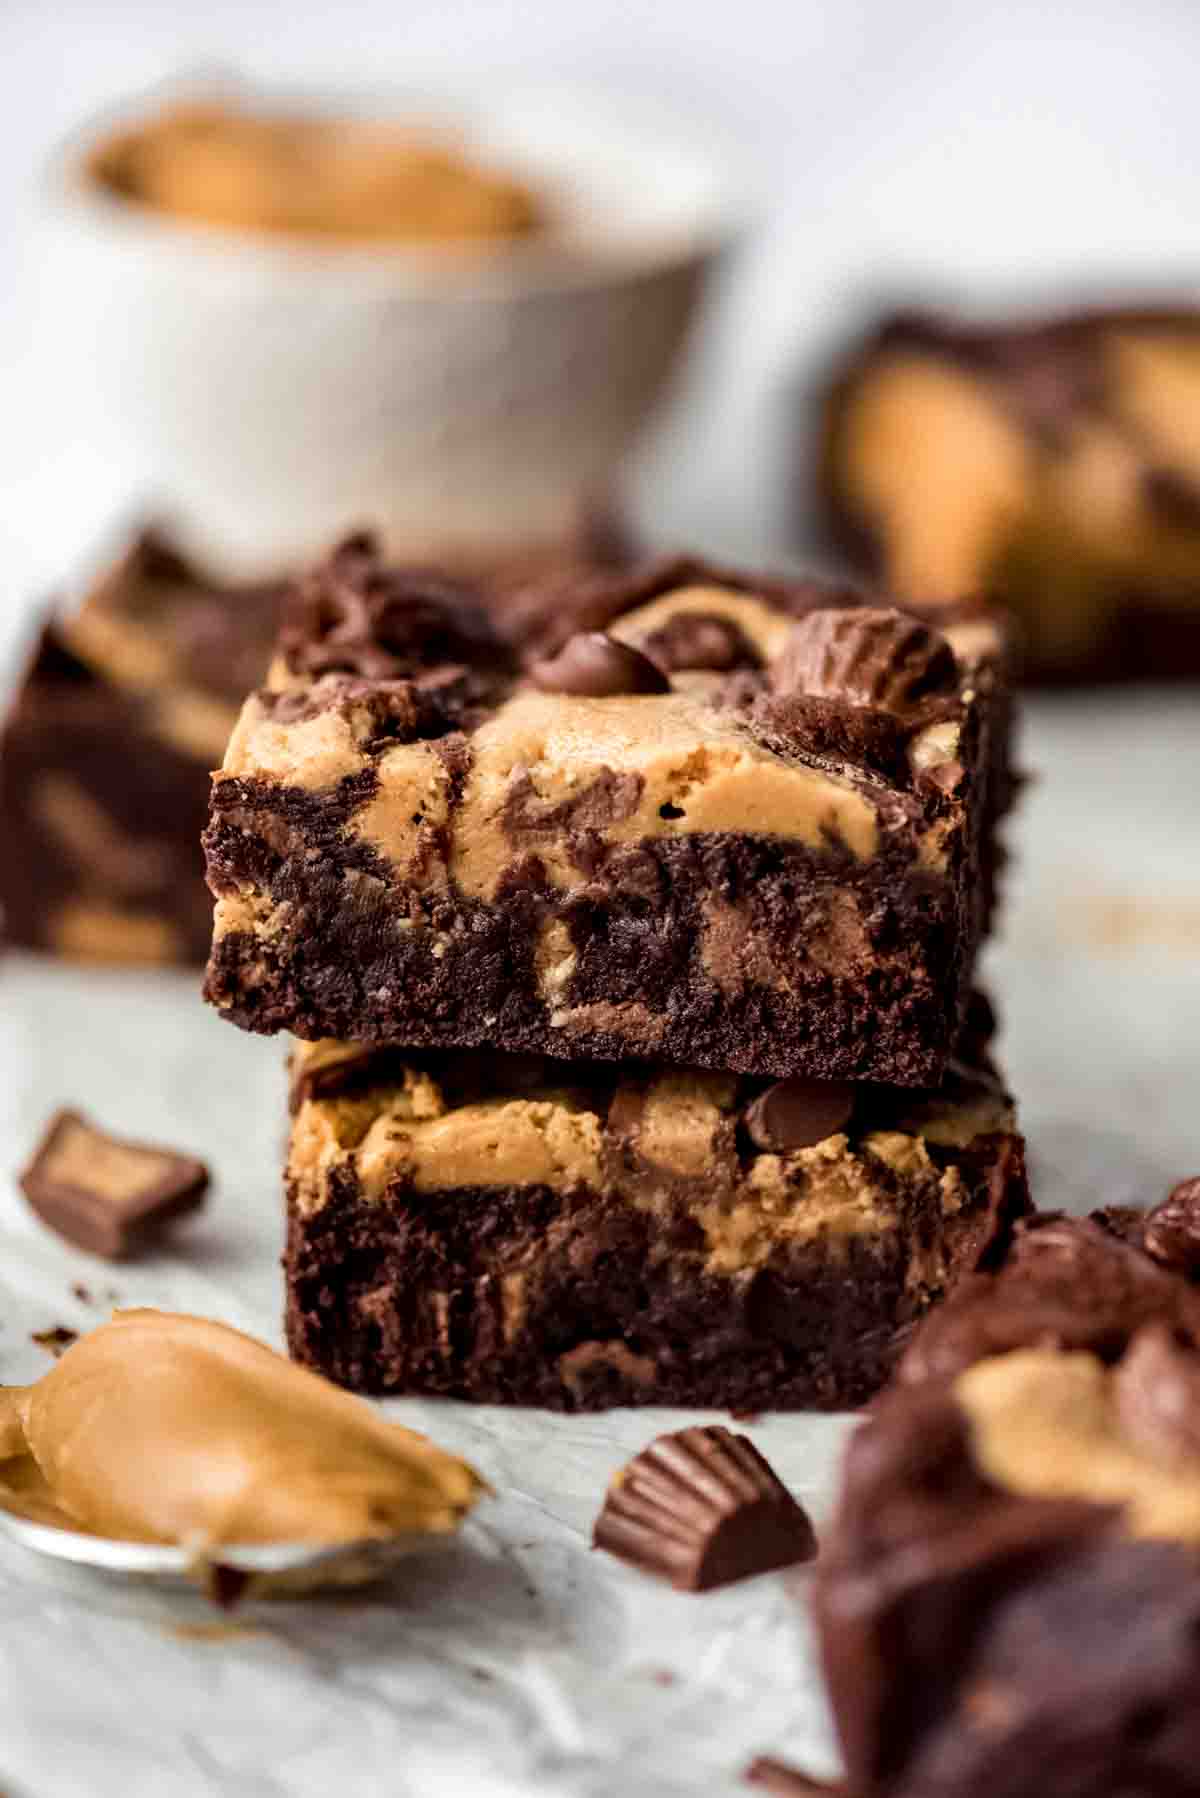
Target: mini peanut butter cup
[[701, 1508]]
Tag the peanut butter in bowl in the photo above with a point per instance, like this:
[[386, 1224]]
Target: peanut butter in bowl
[[312, 175]]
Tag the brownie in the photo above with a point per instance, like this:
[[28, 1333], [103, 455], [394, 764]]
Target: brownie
[[123, 710], [682, 815], [1009, 1595], [1054, 463], [527, 1231]]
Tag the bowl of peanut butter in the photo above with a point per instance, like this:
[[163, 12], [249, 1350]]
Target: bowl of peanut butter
[[450, 317]]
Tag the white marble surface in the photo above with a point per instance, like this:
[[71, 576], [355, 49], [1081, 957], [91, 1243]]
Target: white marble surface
[[522, 1664]]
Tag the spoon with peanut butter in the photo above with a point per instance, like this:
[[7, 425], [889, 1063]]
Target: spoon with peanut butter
[[163, 1444]]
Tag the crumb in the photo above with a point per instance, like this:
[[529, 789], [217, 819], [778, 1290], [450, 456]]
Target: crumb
[[55, 1341], [82, 1294]]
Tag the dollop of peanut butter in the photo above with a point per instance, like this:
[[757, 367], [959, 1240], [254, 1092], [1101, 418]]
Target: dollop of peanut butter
[[158, 1427]]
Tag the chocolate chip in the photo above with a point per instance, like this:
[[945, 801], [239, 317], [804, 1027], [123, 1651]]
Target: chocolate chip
[[701, 1508], [593, 665], [872, 656], [104, 1194], [794, 1114], [1172, 1231], [701, 640]]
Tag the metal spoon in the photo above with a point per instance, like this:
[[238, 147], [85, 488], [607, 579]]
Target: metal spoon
[[274, 1567]]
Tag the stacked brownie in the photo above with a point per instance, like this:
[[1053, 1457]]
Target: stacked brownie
[[628, 929]]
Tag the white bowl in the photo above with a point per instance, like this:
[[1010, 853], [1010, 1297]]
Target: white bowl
[[268, 393]]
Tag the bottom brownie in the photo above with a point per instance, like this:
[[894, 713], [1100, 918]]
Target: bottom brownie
[[521, 1231]]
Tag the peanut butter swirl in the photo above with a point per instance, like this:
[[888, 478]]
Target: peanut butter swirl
[[158, 1427]]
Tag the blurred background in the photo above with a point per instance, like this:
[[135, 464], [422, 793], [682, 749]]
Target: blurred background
[[1007, 149]]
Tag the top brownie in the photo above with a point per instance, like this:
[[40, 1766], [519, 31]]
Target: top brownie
[[683, 815]]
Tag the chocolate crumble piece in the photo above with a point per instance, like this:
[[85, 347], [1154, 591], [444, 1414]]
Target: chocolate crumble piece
[[701, 1509], [595, 666], [109, 1196], [55, 1341]]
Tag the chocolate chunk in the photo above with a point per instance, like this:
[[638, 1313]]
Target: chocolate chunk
[[794, 1114], [875, 656], [354, 615], [701, 640], [700, 1509], [104, 1194], [592, 665], [1157, 1391], [1172, 1229], [55, 1341], [783, 1781]]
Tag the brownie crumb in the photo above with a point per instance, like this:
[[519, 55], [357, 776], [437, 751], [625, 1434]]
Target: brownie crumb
[[56, 1341]]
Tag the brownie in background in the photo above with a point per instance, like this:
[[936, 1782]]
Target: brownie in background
[[123, 711], [1054, 464]]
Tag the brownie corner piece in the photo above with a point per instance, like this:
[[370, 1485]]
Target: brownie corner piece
[[515, 1230], [693, 817]]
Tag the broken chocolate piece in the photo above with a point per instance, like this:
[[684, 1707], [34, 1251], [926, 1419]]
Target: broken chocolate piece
[[875, 656], [794, 1114], [104, 1194], [701, 1509], [592, 665], [1172, 1230]]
